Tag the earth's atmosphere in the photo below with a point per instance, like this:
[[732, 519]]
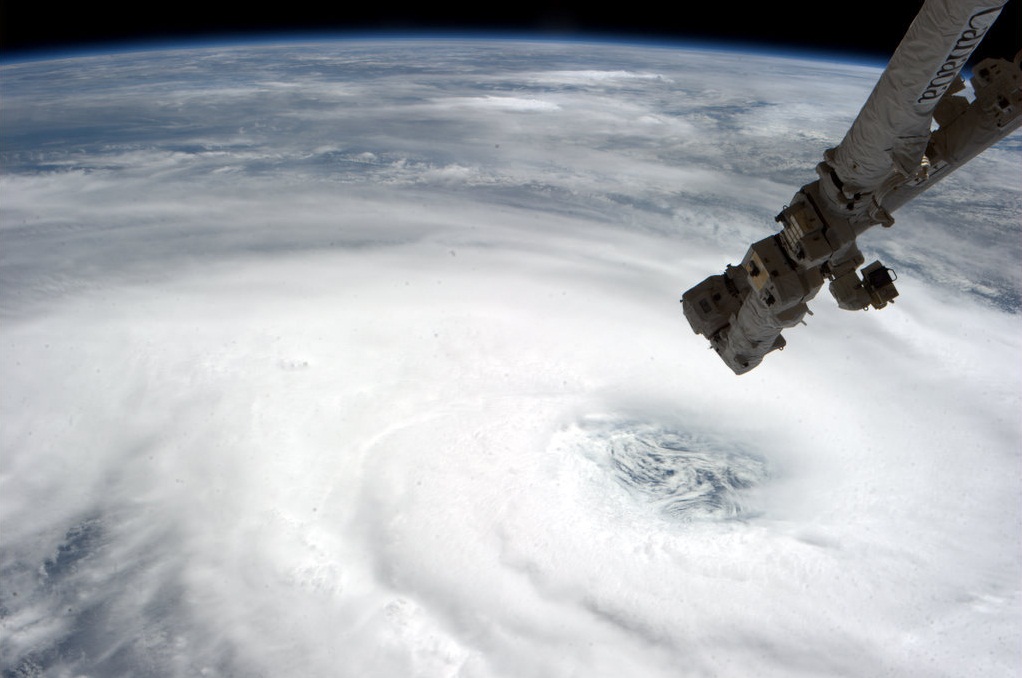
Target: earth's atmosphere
[[366, 359]]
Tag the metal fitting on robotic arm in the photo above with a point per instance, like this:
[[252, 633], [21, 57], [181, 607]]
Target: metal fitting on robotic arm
[[874, 289], [743, 311]]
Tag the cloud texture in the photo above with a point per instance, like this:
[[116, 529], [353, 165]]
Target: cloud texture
[[366, 359]]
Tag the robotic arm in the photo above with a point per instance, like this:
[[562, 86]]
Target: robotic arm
[[888, 156]]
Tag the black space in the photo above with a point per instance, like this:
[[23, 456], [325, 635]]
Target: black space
[[868, 28]]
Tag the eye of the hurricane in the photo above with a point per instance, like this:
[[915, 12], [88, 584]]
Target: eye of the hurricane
[[686, 477]]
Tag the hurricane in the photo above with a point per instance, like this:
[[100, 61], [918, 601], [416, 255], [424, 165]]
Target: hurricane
[[365, 358]]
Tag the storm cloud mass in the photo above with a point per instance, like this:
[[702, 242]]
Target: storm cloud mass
[[366, 359]]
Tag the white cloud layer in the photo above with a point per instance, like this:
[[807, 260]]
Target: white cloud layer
[[348, 360]]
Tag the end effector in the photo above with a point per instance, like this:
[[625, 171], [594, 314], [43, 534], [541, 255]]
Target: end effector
[[743, 311]]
